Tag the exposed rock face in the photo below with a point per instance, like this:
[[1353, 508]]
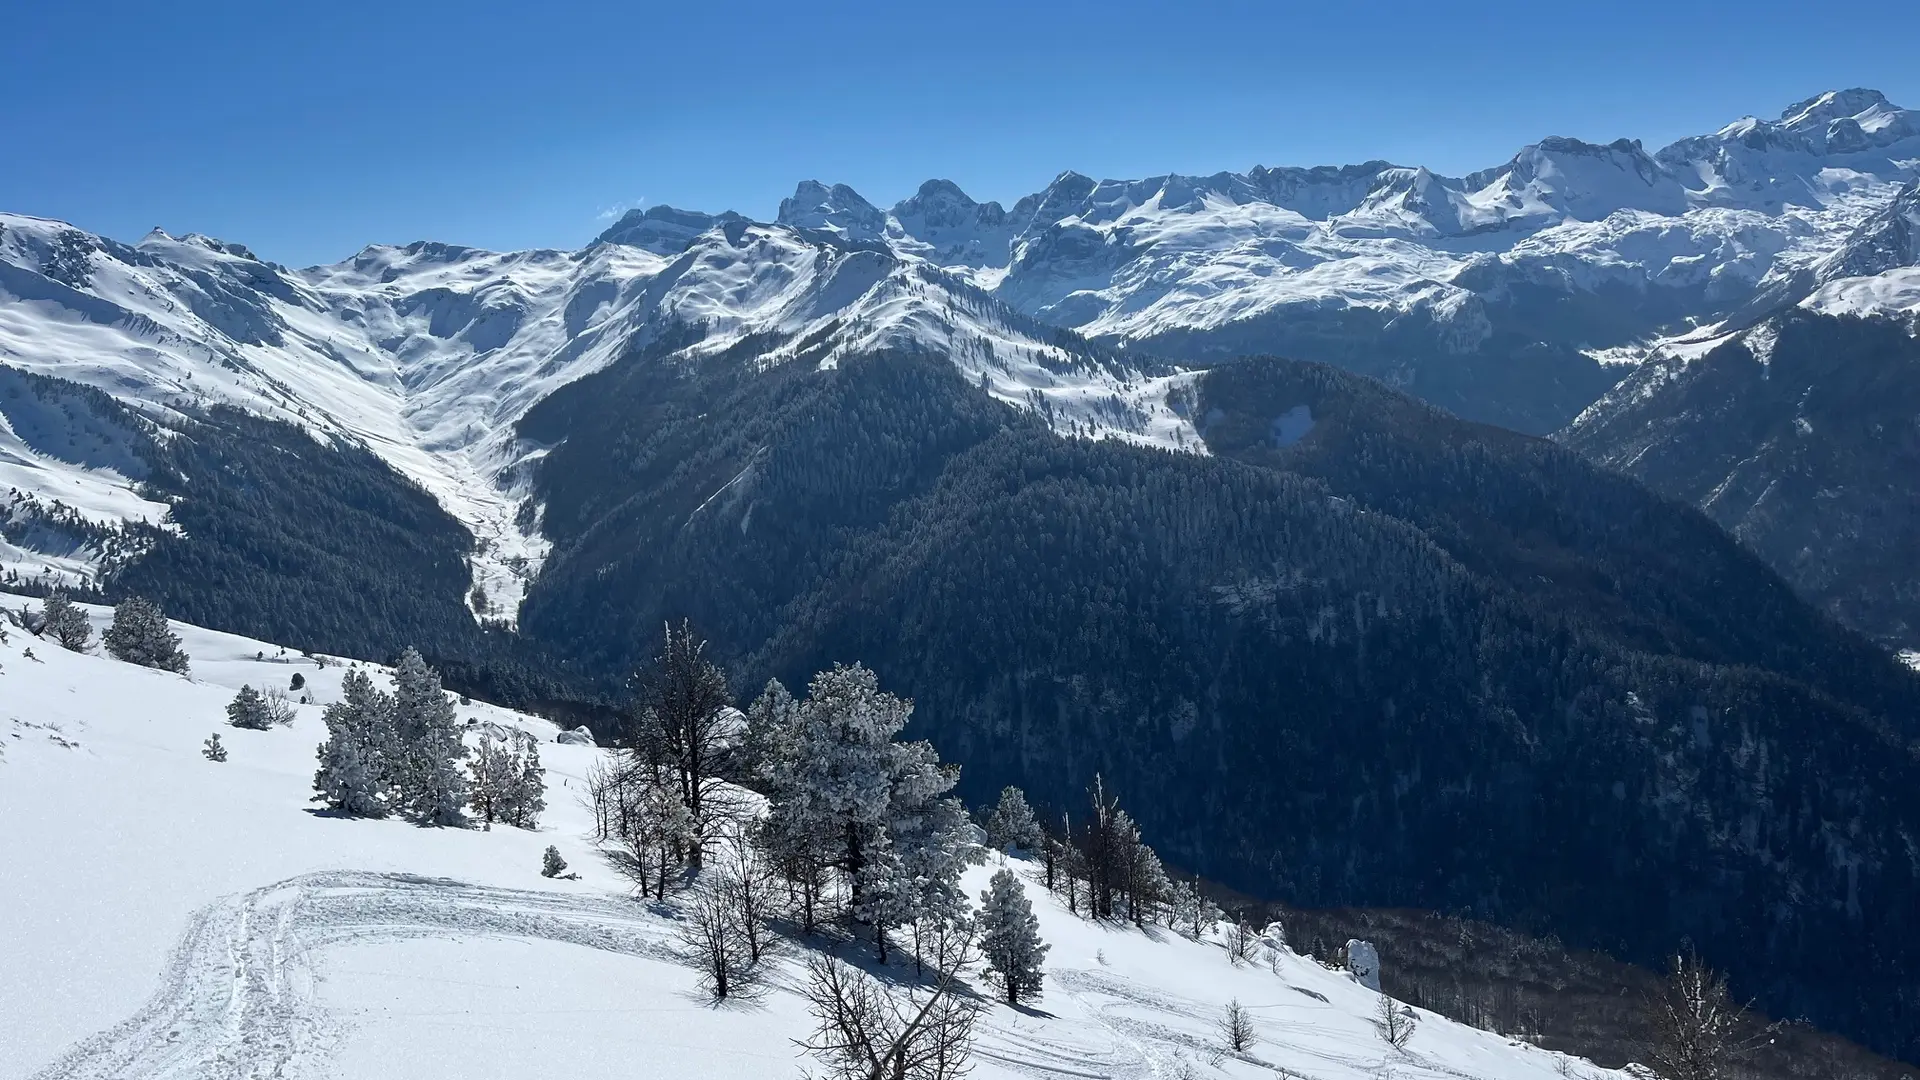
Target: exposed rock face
[[1363, 963]]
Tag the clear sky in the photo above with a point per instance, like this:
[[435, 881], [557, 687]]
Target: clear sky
[[309, 130]]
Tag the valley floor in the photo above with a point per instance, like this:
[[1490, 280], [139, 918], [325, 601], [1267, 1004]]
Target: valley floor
[[169, 916]]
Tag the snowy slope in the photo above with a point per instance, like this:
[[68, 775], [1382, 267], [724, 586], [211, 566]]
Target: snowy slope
[[429, 353], [174, 917]]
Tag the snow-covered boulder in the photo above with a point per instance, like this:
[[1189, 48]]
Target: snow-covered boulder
[[580, 736], [1363, 963]]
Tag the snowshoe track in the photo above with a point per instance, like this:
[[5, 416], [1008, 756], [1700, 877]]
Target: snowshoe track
[[236, 995]]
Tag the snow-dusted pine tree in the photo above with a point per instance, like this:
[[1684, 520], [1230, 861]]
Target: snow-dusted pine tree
[[140, 635], [837, 785], [929, 842], [1010, 938], [529, 793], [249, 710], [551, 864], [212, 750], [354, 776], [65, 623], [1012, 824], [429, 779], [493, 771]]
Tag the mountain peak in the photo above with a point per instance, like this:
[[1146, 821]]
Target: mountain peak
[[1821, 109], [838, 209], [663, 230]]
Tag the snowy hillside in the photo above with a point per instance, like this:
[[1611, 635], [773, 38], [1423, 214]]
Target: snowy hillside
[[429, 353], [169, 916]]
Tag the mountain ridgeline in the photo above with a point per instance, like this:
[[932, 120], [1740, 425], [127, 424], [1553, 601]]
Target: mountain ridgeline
[[1364, 653]]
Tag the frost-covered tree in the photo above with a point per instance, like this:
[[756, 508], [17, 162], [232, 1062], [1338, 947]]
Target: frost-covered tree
[[846, 798], [212, 750], [492, 769], [528, 798], [249, 710], [428, 780], [65, 623], [652, 825], [355, 759], [929, 843], [799, 837], [836, 788], [1012, 824], [1010, 938], [767, 740], [505, 780], [551, 864], [140, 635]]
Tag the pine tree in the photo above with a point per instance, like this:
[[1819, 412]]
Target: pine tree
[[1012, 824], [551, 864], [1010, 938], [529, 794], [249, 710], [354, 774], [65, 623], [212, 750], [929, 843], [428, 745], [836, 788], [140, 635], [493, 771]]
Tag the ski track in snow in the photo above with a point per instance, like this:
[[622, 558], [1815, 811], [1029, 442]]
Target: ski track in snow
[[236, 996]]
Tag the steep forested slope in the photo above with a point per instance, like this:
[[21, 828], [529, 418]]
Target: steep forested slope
[[1800, 438], [1365, 653]]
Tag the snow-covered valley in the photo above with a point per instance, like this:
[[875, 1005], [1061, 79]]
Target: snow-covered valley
[[170, 916]]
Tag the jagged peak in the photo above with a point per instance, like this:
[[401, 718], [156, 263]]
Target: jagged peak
[[663, 229], [1820, 109], [837, 209]]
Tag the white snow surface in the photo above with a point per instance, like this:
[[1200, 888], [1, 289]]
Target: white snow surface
[[171, 917]]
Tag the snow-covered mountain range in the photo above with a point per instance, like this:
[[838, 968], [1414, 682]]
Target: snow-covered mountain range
[[1491, 294]]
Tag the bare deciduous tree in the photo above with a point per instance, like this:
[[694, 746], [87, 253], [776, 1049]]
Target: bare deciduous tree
[[1699, 1031], [685, 717], [753, 889], [1241, 942], [711, 936], [863, 1031]]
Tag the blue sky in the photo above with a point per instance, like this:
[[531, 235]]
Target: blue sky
[[307, 131]]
